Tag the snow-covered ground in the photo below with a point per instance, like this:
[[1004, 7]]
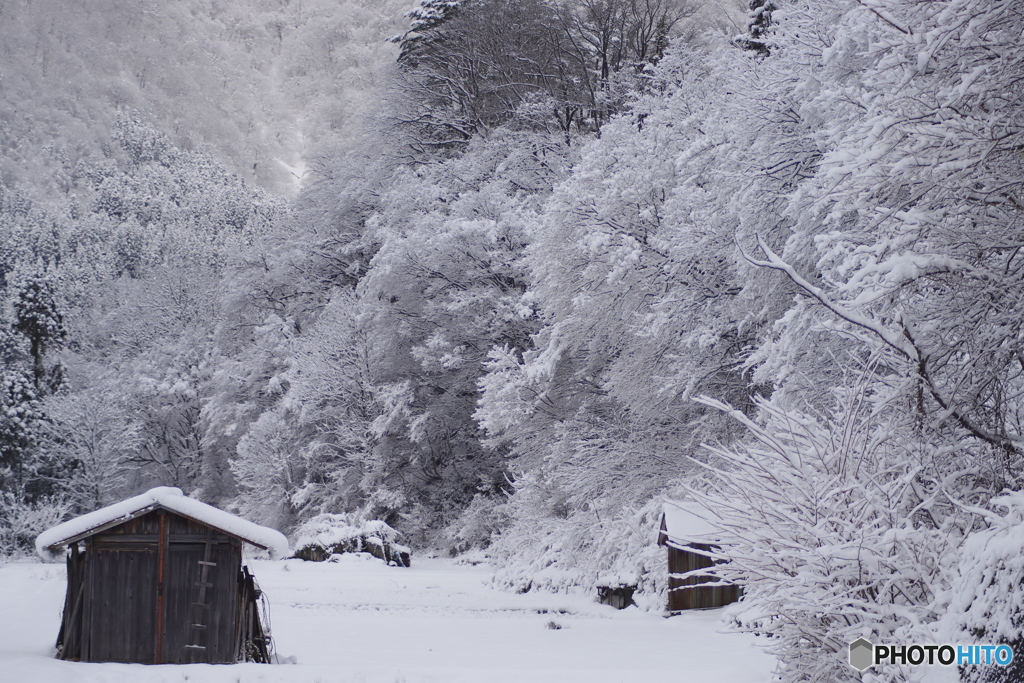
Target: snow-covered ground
[[359, 621]]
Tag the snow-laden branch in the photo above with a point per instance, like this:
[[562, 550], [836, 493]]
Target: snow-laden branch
[[902, 342], [887, 17], [817, 518], [775, 262]]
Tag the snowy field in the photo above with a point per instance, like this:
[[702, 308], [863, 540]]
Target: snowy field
[[359, 621]]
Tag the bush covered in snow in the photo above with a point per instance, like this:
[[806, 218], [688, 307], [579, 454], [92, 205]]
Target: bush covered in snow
[[21, 522], [584, 552], [479, 525], [830, 542], [329, 534], [988, 589]]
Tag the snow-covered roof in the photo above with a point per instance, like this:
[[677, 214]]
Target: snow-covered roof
[[687, 522], [168, 498]]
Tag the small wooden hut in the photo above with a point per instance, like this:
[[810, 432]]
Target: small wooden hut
[[158, 579], [688, 536]]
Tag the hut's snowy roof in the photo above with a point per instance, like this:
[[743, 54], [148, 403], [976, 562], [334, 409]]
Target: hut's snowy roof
[[168, 498], [687, 522]]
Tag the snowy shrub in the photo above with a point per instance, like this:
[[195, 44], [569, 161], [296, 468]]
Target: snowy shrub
[[329, 534], [540, 552], [827, 549], [988, 591], [479, 525], [21, 522]]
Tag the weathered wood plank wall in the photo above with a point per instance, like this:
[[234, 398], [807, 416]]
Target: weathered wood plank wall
[[681, 598], [111, 607], [186, 549], [118, 621]]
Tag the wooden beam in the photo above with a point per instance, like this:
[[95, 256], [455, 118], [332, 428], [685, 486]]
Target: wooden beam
[[161, 562]]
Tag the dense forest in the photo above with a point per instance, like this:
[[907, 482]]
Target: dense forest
[[508, 274]]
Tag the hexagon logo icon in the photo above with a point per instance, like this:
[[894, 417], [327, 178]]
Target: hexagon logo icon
[[862, 654]]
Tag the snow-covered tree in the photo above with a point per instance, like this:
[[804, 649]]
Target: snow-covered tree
[[905, 235], [38, 318], [21, 521], [312, 449], [468, 67], [267, 471], [19, 414], [94, 430], [447, 284], [645, 302], [837, 528], [465, 67], [985, 596], [334, 403]]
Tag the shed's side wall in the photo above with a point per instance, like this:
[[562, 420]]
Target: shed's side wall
[[680, 598], [69, 640]]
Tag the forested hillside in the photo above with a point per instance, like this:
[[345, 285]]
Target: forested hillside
[[265, 87], [552, 263]]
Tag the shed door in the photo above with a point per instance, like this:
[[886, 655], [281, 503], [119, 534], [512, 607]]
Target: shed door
[[118, 624]]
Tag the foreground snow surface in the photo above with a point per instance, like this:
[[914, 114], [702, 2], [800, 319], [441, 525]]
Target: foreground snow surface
[[359, 621]]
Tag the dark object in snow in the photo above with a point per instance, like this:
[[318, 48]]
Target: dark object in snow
[[374, 546], [619, 596], [155, 586], [689, 537], [392, 553], [330, 534]]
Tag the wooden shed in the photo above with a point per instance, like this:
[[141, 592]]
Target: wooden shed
[[688, 535], [158, 579]]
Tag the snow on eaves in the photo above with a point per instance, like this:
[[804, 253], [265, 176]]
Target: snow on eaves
[[168, 498]]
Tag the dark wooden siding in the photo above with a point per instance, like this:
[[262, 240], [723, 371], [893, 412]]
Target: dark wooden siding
[[118, 584], [69, 640], [119, 604], [186, 548], [680, 597]]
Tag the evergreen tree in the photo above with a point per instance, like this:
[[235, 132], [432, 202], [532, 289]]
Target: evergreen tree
[[20, 413], [38, 319], [758, 27]]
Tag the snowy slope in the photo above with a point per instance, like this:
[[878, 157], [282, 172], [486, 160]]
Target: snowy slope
[[359, 621]]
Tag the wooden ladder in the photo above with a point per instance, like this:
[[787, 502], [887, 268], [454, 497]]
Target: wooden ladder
[[201, 608]]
